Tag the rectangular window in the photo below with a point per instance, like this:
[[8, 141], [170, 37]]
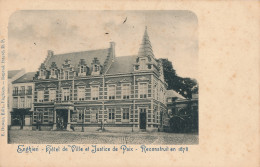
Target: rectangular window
[[51, 116], [41, 72], [111, 91], [96, 68], [15, 102], [52, 94], [81, 115], [82, 69], [46, 117], [52, 72], [29, 90], [94, 116], [66, 75], [169, 111], [94, 92], [143, 90], [81, 93], [22, 90], [111, 114], [28, 103], [15, 91], [125, 113], [155, 92], [142, 64], [126, 91], [40, 95], [66, 94]]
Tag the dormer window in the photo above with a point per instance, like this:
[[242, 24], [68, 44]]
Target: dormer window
[[52, 72], [81, 69], [96, 68], [41, 73], [142, 64], [136, 67]]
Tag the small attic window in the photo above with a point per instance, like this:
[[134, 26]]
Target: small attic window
[[149, 66], [81, 69], [96, 68], [41, 72], [136, 67], [142, 64], [52, 72]]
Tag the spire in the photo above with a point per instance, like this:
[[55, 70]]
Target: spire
[[146, 47]]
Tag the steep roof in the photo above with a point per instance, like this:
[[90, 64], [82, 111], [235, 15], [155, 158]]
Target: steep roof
[[28, 77], [172, 93], [12, 73], [146, 47], [123, 64], [75, 57]]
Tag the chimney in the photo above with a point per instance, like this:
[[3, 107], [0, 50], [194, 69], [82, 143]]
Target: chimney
[[50, 53], [112, 46]]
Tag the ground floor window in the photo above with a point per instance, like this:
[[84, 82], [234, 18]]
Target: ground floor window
[[125, 113], [16, 120], [81, 115], [94, 116], [43, 116], [111, 114]]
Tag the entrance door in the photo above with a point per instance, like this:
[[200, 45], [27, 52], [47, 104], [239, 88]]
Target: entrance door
[[142, 118], [62, 119]]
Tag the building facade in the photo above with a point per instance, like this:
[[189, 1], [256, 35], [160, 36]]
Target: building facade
[[182, 111], [22, 102], [12, 76], [96, 90]]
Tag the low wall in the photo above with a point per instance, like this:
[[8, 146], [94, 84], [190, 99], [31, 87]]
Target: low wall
[[27, 127], [15, 127]]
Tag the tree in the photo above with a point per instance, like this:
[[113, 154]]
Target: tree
[[184, 86]]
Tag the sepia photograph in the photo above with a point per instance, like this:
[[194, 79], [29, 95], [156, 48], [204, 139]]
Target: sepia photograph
[[103, 77]]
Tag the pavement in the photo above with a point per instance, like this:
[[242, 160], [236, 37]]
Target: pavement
[[66, 137]]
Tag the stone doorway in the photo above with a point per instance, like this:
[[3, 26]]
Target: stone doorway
[[143, 118], [62, 119]]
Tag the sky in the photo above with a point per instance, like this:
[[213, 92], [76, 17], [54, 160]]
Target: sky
[[173, 35]]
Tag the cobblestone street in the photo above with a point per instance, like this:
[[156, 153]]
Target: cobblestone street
[[65, 137]]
